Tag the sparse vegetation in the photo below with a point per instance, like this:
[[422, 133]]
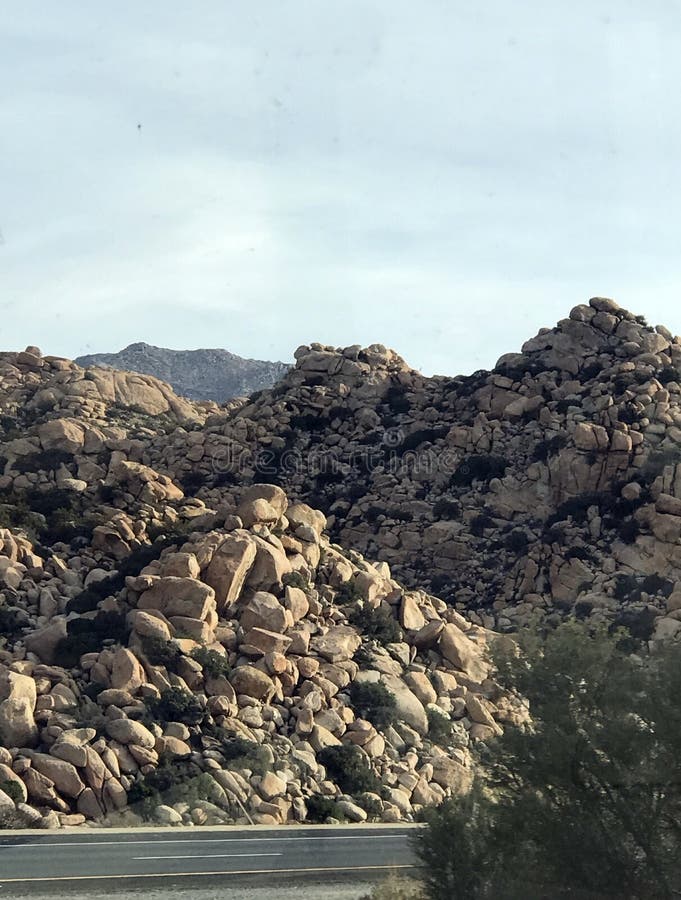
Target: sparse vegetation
[[376, 624], [349, 767], [175, 705], [374, 702], [214, 664]]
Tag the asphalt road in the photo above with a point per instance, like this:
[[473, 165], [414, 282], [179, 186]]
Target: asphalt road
[[121, 860]]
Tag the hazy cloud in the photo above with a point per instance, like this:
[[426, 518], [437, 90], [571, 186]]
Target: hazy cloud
[[441, 177]]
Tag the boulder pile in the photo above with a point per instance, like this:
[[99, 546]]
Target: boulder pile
[[245, 673]]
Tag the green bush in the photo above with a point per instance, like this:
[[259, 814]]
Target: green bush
[[70, 649], [161, 653], [239, 753], [348, 592], [320, 809], [516, 541], [213, 663], [46, 460], [296, 580], [447, 509], [586, 802], [173, 781], [349, 768], [550, 447], [13, 790], [440, 727], [175, 705], [11, 623], [376, 624], [374, 702]]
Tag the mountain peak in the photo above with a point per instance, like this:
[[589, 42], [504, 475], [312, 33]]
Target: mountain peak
[[204, 374]]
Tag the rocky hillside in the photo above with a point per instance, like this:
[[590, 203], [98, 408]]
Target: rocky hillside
[[549, 485], [216, 375], [167, 660], [277, 609]]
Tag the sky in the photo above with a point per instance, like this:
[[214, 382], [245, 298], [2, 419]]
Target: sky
[[442, 177]]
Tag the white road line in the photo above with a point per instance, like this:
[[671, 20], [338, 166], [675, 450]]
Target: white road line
[[211, 856], [32, 845], [47, 879]]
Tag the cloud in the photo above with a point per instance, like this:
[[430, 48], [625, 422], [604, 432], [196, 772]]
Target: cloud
[[440, 177]]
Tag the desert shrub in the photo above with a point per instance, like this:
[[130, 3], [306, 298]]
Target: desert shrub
[[172, 781], [13, 790], [349, 768], [192, 481], [563, 405], [628, 414], [213, 663], [587, 373], [376, 624], [106, 625], [628, 530], [516, 541], [422, 436], [639, 623], [550, 447], [479, 523], [657, 584], [320, 809], [84, 602], [479, 467], [70, 649], [582, 553], [296, 580], [348, 592], [374, 702], [242, 754], [175, 705], [371, 805], [658, 461], [396, 398], [447, 509], [627, 588], [668, 374], [11, 624], [440, 727], [47, 460]]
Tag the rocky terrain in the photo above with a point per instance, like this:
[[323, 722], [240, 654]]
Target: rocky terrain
[[168, 660], [277, 609], [216, 375], [548, 486]]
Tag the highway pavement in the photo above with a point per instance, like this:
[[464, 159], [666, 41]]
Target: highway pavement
[[108, 860]]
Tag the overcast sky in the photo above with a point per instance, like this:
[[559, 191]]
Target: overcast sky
[[441, 176]]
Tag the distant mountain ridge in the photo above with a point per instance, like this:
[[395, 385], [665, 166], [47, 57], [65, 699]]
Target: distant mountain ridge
[[205, 374]]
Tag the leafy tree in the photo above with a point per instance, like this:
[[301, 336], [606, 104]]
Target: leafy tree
[[586, 800]]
